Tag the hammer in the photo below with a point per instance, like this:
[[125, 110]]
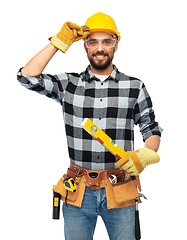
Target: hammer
[[137, 221]]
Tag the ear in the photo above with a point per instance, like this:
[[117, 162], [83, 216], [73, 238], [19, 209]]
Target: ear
[[85, 48], [116, 47]]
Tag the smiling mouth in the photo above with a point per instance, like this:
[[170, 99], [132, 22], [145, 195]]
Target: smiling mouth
[[100, 56]]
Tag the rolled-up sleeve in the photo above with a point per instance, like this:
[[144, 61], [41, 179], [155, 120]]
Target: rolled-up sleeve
[[144, 115], [52, 86]]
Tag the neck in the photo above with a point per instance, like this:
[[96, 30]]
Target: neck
[[106, 71]]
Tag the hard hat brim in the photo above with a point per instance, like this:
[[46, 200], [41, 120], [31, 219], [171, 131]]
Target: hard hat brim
[[106, 30]]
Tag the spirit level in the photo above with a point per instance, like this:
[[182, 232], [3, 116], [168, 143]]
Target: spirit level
[[103, 138]]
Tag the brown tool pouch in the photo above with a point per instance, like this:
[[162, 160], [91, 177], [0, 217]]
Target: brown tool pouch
[[125, 191], [73, 198], [120, 194]]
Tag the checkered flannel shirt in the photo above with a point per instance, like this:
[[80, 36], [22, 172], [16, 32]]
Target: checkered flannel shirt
[[115, 105]]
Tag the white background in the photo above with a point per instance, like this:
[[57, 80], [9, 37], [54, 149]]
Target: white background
[[33, 153]]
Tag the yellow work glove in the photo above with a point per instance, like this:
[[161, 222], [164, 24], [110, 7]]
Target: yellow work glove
[[69, 33], [134, 162]]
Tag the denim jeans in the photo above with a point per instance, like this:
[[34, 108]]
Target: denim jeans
[[79, 223]]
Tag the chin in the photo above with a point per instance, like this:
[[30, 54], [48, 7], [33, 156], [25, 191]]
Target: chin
[[100, 66]]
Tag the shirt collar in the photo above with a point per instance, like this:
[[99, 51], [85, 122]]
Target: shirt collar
[[89, 76]]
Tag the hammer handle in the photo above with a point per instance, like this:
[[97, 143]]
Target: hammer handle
[[137, 225]]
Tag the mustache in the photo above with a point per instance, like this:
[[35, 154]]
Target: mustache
[[100, 53]]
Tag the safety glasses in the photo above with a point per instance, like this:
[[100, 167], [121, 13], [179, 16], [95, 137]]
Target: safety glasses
[[105, 43]]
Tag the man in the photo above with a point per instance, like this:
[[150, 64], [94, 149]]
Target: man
[[114, 102]]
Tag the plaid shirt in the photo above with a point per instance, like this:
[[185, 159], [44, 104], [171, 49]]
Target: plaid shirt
[[115, 105]]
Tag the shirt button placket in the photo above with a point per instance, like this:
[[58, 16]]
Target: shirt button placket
[[101, 100]]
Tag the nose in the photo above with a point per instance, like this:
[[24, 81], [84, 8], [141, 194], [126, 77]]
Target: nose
[[100, 46]]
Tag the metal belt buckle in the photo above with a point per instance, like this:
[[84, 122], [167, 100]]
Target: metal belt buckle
[[93, 174]]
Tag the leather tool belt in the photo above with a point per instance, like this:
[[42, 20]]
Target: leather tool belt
[[118, 194]]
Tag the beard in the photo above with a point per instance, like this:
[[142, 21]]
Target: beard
[[100, 64]]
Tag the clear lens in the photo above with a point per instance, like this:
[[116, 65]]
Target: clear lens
[[106, 43]]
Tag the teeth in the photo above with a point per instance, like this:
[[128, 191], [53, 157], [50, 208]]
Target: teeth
[[100, 56]]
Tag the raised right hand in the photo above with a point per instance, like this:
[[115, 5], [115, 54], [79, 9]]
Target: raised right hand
[[69, 33]]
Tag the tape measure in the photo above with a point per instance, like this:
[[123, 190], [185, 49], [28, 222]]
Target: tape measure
[[103, 138], [69, 184]]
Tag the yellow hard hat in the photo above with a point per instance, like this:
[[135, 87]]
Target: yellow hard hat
[[102, 22]]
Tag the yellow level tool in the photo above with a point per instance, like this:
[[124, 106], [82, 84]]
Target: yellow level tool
[[103, 138]]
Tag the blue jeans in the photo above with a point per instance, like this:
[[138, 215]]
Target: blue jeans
[[79, 223]]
